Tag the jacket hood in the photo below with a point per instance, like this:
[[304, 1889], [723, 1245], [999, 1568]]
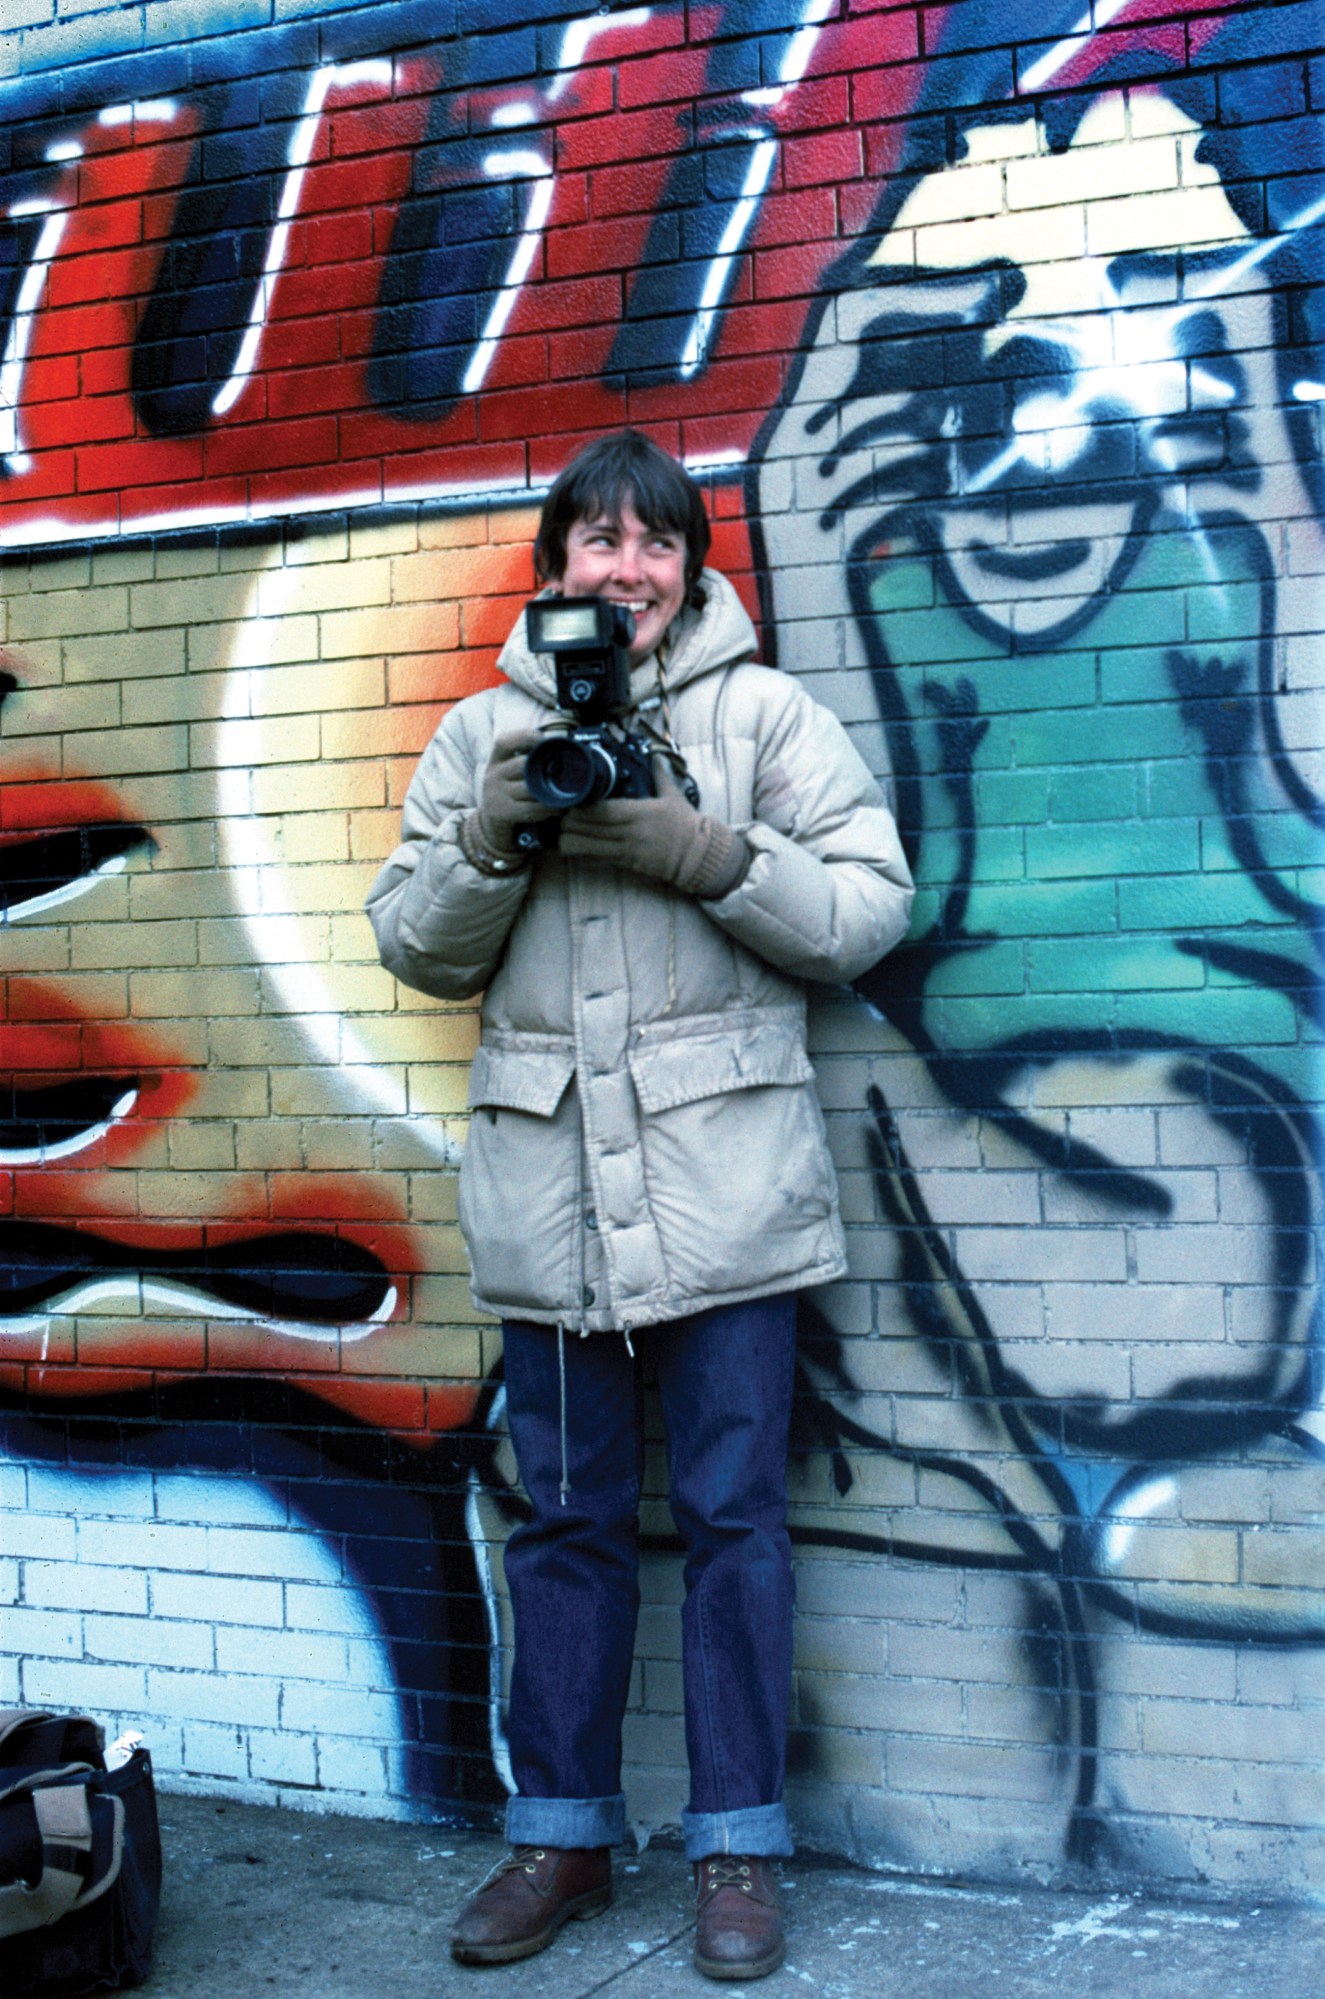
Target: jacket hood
[[717, 633]]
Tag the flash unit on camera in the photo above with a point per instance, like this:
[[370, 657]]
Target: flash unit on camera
[[588, 640], [572, 624]]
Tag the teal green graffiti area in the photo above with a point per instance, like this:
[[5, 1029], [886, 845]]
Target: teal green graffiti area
[[1087, 821]]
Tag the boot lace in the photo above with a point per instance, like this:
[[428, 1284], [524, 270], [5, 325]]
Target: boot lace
[[522, 1860], [725, 1870]]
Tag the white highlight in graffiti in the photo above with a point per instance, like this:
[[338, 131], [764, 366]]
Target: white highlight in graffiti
[[797, 58], [575, 46], [65, 893], [34, 278], [478, 1541], [64, 1148], [540, 200], [1139, 1505], [330, 77], [1061, 54], [44, 528], [248, 851], [20, 332], [1309, 392], [140, 1293], [1118, 376], [758, 172], [144, 110], [712, 461], [580, 34]]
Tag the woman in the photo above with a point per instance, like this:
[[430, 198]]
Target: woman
[[647, 1171]]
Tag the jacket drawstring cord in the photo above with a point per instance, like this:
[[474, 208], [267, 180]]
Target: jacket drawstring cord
[[561, 1371]]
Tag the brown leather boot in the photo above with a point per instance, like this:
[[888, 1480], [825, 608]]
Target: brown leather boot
[[527, 1897], [738, 1933]]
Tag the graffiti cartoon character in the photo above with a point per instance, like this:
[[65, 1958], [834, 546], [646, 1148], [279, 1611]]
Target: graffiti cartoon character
[[1050, 470]]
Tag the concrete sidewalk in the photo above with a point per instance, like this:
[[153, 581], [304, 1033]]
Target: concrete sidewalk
[[328, 1908]]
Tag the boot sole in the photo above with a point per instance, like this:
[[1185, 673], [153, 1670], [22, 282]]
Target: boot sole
[[758, 1967], [582, 1910]]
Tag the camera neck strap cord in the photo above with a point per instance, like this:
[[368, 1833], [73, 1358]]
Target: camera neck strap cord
[[658, 705]]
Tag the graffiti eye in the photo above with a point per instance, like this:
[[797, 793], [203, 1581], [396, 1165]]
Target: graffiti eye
[[49, 868], [61, 1118]]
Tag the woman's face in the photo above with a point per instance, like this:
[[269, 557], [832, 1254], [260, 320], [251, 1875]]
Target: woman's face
[[617, 557]]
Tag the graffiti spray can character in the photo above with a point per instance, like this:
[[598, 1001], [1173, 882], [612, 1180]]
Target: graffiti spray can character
[[1050, 463]]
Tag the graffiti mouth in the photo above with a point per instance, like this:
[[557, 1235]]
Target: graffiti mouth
[[309, 1282], [1036, 565]]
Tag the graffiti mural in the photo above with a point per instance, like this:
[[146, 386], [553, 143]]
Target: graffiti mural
[[995, 336]]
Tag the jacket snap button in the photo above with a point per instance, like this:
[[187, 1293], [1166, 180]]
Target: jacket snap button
[[588, 1294], [591, 1220]]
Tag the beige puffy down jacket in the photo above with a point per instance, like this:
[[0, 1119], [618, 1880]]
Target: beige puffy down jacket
[[645, 1139]]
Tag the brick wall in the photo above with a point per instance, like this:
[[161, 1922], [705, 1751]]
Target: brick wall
[[995, 341]]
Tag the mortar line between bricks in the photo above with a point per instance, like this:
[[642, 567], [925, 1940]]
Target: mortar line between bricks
[[645, 1957]]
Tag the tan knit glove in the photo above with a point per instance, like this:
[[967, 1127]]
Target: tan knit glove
[[505, 804], [663, 838]]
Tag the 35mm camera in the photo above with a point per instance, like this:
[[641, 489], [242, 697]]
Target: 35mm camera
[[597, 757]]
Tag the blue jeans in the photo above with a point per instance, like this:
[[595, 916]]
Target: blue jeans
[[725, 1379]]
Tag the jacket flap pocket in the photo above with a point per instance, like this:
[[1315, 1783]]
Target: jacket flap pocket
[[687, 1067], [520, 1079]]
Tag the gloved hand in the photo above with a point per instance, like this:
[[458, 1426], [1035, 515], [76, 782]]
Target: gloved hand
[[505, 805], [663, 838]]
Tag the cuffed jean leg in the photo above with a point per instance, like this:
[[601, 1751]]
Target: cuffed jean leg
[[572, 1573], [726, 1381], [566, 1821]]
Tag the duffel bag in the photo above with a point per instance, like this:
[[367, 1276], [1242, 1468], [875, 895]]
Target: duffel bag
[[80, 1859]]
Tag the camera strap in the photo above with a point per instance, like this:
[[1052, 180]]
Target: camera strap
[[665, 737]]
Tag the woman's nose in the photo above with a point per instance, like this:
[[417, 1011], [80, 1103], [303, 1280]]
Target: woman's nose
[[629, 559]]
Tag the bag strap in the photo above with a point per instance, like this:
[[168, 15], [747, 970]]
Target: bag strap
[[16, 1720], [30, 1735], [10, 1717], [30, 1780], [64, 1820]]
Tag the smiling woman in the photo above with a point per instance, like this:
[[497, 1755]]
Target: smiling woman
[[996, 335]]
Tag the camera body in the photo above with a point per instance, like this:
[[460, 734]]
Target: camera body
[[597, 757]]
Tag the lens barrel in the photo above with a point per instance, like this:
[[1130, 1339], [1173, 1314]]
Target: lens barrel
[[565, 771]]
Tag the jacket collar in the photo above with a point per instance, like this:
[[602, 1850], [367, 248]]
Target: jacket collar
[[716, 634]]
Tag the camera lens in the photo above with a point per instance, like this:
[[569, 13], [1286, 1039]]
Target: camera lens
[[563, 772]]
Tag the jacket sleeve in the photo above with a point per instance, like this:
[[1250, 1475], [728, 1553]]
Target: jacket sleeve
[[828, 891], [441, 925]]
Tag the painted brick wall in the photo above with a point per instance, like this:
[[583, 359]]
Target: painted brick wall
[[994, 334]]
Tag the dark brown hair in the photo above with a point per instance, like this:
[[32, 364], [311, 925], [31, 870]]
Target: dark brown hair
[[621, 467]]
